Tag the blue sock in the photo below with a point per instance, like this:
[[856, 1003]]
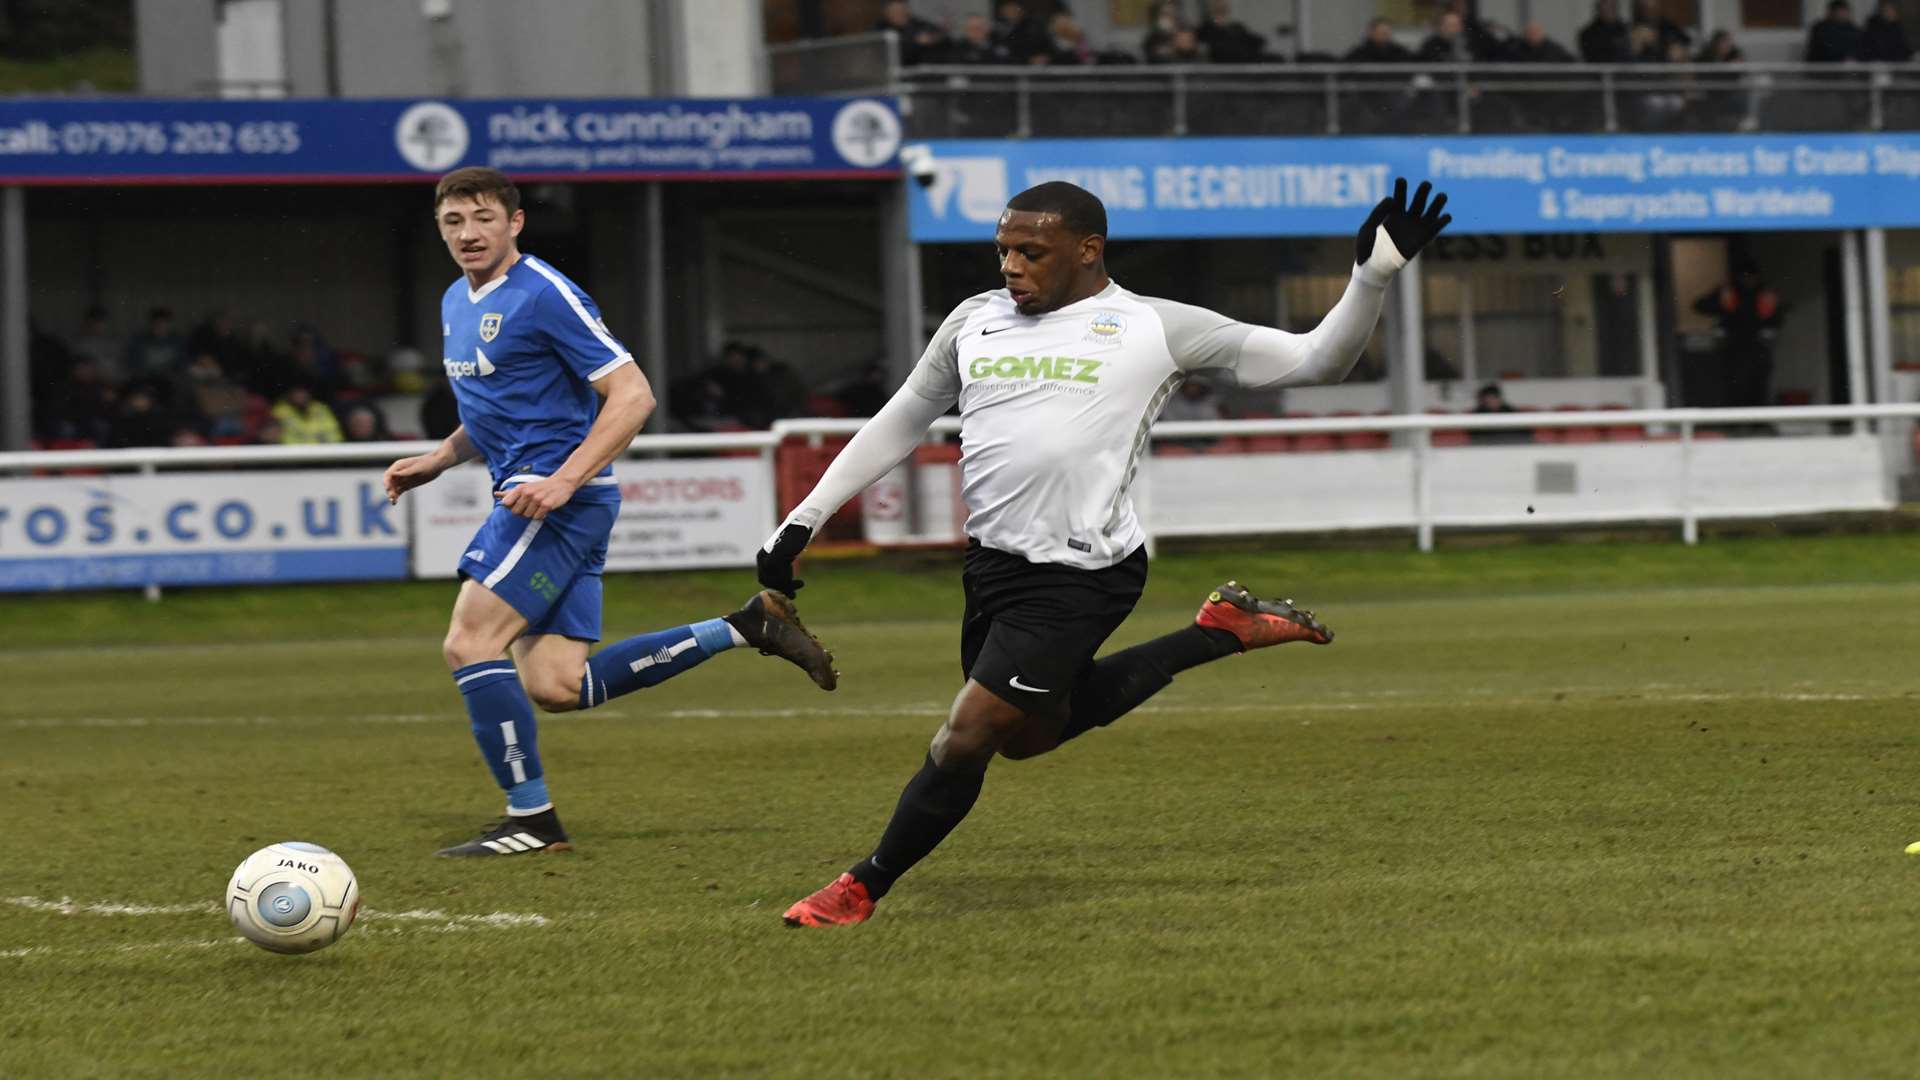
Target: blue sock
[[503, 726], [650, 659]]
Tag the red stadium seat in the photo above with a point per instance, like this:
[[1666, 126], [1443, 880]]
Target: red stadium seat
[[1311, 444], [1270, 444], [1450, 437], [1582, 435]]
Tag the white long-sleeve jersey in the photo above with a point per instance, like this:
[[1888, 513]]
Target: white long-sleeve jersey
[[1055, 408]]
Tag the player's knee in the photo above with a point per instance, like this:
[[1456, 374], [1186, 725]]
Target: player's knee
[[461, 649], [552, 695]]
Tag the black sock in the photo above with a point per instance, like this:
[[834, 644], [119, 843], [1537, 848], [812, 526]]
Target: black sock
[[934, 801], [1118, 684]]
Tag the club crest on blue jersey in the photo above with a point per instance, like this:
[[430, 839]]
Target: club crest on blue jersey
[[490, 326]]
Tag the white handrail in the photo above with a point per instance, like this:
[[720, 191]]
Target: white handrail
[[347, 453], [170, 457]]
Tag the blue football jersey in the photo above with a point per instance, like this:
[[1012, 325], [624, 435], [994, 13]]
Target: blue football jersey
[[521, 352]]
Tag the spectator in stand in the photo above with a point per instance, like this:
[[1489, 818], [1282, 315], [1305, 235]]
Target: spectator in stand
[[264, 369], [1666, 31], [1720, 49], [1644, 42], [780, 388], [364, 423], [78, 405], [142, 419], [1186, 48], [219, 400], [1749, 313], [1606, 40], [97, 340], [219, 337], [1886, 39], [1491, 401], [1158, 45], [269, 433], [313, 360], [1066, 45], [1835, 38], [1379, 47], [725, 396], [975, 45], [921, 42], [1227, 40], [864, 395], [1448, 42], [1535, 47], [304, 419], [158, 352], [1018, 34]]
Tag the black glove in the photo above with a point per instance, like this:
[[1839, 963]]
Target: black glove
[[1409, 227], [776, 566]]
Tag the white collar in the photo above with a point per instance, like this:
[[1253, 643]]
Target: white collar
[[474, 295]]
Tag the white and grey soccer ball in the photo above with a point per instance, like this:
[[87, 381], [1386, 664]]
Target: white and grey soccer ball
[[293, 897]]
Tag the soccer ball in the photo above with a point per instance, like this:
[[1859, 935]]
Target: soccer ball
[[293, 898]]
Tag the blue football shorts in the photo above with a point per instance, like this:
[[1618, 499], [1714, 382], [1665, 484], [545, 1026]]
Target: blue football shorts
[[549, 570]]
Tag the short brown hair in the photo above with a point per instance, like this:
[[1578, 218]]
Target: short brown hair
[[475, 182]]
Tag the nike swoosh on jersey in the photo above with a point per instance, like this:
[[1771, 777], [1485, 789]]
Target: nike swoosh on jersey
[[995, 330], [1014, 681]]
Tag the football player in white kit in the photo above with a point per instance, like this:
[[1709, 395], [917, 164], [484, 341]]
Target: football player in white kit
[[1059, 377]]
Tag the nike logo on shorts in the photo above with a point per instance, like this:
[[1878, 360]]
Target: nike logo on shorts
[[1015, 682]]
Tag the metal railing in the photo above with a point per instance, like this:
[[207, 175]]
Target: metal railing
[[854, 64], [1423, 99]]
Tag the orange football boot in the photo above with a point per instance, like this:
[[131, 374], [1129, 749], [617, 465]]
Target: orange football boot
[[842, 903], [1259, 623]]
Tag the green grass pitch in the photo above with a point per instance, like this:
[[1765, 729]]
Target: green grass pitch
[[1577, 810]]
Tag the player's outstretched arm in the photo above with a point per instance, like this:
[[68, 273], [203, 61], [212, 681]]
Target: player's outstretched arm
[[1392, 235], [880, 444], [626, 400], [409, 473]]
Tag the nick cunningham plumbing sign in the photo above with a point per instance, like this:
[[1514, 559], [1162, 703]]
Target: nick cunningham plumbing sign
[[96, 532], [127, 141], [1216, 187]]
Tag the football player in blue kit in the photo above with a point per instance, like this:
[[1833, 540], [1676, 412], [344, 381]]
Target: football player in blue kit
[[550, 400]]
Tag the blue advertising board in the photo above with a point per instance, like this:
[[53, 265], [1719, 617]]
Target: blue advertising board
[[113, 141], [1217, 187], [118, 531]]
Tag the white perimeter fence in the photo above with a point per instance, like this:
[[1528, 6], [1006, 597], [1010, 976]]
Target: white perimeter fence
[[151, 517]]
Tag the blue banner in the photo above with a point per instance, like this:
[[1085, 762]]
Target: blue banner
[[1211, 187], [210, 528], [354, 141]]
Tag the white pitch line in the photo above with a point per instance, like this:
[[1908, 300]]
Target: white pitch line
[[66, 905], [1342, 702], [497, 918]]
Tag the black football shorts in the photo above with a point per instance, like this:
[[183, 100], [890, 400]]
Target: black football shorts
[[1031, 628]]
